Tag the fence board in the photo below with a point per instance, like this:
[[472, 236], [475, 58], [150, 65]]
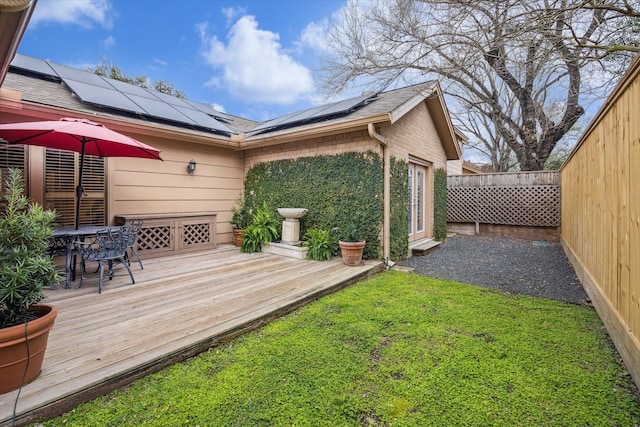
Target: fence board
[[601, 215]]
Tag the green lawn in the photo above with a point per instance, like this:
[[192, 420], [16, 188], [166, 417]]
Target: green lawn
[[398, 349]]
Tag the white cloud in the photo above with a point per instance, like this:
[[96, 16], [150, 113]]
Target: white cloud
[[161, 62], [218, 107], [108, 42], [80, 12], [254, 67], [315, 36], [231, 13]]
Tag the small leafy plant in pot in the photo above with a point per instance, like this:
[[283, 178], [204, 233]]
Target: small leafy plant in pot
[[263, 229], [351, 242], [25, 270], [240, 220]]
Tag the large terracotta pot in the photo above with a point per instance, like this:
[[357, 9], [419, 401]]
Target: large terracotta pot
[[238, 235], [13, 348], [352, 252]]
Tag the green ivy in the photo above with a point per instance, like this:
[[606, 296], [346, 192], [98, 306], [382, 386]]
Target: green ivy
[[335, 189], [440, 205], [332, 188], [399, 210]]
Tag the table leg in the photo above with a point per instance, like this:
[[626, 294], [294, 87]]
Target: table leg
[[68, 266]]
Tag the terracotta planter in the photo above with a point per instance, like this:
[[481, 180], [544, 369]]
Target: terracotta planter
[[13, 348], [238, 236], [352, 252]]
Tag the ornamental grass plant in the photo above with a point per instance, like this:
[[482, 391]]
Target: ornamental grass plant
[[395, 350]]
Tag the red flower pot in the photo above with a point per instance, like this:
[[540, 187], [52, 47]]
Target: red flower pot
[[352, 252], [13, 348]]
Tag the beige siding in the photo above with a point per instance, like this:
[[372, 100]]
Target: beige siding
[[454, 167], [141, 186], [601, 216]]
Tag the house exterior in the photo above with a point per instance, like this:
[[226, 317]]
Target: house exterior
[[182, 210]]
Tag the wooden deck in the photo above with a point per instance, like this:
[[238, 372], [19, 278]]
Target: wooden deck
[[179, 307]]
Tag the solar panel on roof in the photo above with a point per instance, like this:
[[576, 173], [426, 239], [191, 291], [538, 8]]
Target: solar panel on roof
[[170, 99], [316, 113], [102, 96], [79, 76], [277, 121], [346, 105], [116, 94], [128, 88], [160, 109], [34, 65], [204, 120], [205, 109]]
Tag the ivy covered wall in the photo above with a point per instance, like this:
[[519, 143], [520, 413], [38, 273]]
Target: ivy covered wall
[[399, 209], [440, 205], [334, 189]]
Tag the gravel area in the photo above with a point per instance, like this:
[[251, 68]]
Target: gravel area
[[534, 268]]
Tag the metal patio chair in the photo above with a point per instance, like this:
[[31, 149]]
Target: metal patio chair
[[132, 229], [108, 246]]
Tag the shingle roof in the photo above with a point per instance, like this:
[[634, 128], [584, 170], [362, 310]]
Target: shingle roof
[[51, 91]]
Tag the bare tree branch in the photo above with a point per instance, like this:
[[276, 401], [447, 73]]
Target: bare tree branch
[[513, 67]]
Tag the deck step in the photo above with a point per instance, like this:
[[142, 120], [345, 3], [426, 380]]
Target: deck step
[[425, 248]]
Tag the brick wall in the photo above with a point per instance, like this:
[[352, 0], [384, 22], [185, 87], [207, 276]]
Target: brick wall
[[357, 141]]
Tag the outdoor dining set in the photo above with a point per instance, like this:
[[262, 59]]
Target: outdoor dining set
[[105, 246]]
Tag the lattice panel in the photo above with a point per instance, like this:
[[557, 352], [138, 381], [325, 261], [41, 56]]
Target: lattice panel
[[158, 237], [195, 234], [509, 205], [461, 204]]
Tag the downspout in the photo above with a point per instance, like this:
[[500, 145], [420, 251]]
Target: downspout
[[386, 228]]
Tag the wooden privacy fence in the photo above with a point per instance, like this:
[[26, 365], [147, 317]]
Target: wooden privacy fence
[[522, 198], [601, 215]]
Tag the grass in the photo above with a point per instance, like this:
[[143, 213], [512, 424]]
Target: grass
[[397, 349]]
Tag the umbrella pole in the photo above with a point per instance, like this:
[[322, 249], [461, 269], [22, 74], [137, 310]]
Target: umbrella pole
[[79, 189]]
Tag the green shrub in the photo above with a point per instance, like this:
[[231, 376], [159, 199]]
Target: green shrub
[[263, 229], [241, 215], [322, 244], [25, 269]]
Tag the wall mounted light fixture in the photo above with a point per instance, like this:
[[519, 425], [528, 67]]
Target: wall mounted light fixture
[[191, 167]]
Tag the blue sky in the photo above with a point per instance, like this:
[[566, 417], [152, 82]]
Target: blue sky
[[255, 59]]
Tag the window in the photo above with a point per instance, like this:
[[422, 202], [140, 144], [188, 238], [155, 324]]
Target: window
[[61, 178], [11, 156]]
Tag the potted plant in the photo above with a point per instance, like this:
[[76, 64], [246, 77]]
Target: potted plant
[[351, 242], [25, 270], [263, 229], [240, 220]]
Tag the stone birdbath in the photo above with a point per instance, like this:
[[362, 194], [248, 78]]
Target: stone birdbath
[[291, 224]]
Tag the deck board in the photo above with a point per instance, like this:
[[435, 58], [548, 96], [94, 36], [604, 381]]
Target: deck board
[[178, 307]]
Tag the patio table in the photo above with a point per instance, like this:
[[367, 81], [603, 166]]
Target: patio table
[[61, 243]]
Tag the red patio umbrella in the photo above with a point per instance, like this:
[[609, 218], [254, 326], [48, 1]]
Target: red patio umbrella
[[79, 135]]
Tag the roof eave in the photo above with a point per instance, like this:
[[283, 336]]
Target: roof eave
[[14, 17], [442, 122], [10, 105], [321, 129], [409, 105]]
